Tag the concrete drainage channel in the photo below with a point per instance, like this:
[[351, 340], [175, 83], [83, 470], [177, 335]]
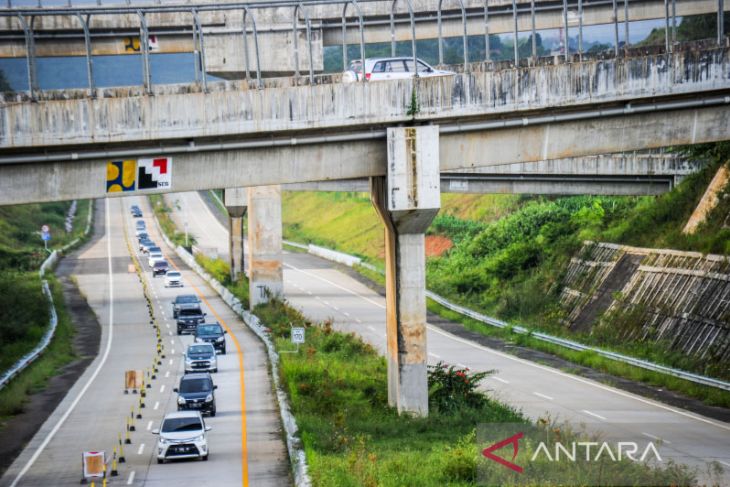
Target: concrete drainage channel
[[293, 443], [351, 261], [47, 264]]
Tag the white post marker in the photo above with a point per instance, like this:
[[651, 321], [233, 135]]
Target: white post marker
[[297, 336]]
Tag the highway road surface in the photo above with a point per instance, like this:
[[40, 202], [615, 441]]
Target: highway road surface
[[322, 292], [246, 446]]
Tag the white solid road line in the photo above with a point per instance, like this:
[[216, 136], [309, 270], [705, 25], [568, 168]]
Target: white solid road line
[[131, 478], [141, 449], [724, 463], [108, 348], [543, 396], [580, 379], [354, 293], [434, 355], [526, 362], [503, 381], [594, 414], [462, 366]]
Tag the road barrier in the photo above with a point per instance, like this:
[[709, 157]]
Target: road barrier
[[563, 342], [294, 446], [47, 264]]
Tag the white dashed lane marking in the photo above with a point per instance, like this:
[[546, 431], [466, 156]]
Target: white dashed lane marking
[[594, 414], [543, 396]]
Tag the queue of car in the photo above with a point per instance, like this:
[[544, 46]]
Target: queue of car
[[183, 434]]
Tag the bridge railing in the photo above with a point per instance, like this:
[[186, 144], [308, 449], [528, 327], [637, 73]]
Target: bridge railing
[[572, 14]]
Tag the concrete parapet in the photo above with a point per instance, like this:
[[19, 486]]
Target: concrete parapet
[[175, 112]]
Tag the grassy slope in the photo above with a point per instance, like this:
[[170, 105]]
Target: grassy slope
[[22, 321], [347, 221], [510, 268]]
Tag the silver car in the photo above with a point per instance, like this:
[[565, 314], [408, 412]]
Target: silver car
[[183, 434], [377, 69]]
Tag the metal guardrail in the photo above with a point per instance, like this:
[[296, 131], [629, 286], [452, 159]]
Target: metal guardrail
[[563, 342], [31, 356], [25, 16]]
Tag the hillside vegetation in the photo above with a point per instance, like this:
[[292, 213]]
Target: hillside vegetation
[[510, 253], [23, 308]]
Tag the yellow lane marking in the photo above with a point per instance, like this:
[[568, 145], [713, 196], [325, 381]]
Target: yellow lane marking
[[239, 353]]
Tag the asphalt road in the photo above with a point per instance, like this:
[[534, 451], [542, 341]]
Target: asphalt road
[[245, 443], [322, 292]]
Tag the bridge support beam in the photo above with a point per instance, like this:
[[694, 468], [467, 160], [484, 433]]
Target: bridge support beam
[[236, 202], [264, 244], [407, 199]]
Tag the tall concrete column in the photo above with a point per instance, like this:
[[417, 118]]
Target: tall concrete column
[[407, 199], [236, 202], [264, 244]]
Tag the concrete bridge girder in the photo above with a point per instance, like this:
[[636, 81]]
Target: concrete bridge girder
[[71, 179]]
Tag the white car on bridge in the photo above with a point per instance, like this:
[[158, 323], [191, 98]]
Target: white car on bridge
[[385, 68]]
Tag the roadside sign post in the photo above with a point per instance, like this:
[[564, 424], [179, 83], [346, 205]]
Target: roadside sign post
[[297, 336], [45, 236]]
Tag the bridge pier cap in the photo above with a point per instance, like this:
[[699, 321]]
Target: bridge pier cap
[[407, 199], [236, 203]]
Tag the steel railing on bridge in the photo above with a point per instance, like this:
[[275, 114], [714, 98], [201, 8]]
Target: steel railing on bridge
[[26, 17]]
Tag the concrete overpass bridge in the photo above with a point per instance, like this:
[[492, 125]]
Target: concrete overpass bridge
[[293, 34], [402, 136]]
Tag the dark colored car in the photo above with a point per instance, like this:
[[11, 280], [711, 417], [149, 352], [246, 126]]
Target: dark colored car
[[145, 245], [196, 392], [188, 317], [133, 208], [136, 212], [142, 236], [183, 299], [212, 333], [160, 268]]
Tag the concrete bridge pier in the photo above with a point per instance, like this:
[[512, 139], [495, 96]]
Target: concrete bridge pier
[[407, 199], [264, 244], [236, 202]]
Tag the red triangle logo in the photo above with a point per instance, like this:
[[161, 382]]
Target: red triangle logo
[[514, 440]]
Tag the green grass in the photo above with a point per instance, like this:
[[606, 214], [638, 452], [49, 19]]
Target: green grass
[[509, 258], [23, 309], [221, 271], [338, 392], [708, 395], [162, 212], [21, 247], [59, 353]]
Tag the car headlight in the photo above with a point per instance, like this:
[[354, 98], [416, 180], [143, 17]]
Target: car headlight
[[163, 441], [199, 438], [198, 339], [220, 339], [209, 398], [180, 400], [188, 360]]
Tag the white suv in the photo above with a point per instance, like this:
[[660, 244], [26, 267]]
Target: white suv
[[377, 69], [173, 279], [154, 257], [182, 435]]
